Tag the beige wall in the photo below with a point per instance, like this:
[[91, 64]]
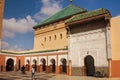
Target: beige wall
[[57, 29], [115, 37]]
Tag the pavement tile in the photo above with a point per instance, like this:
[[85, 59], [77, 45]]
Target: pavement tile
[[45, 76]]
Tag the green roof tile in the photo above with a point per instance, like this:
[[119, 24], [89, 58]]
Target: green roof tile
[[87, 15], [66, 12]]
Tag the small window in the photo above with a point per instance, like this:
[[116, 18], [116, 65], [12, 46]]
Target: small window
[[55, 37], [60, 36], [44, 39], [49, 38]]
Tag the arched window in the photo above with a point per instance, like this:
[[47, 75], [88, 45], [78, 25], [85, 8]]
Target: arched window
[[49, 38], [55, 37], [60, 36], [44, 39]]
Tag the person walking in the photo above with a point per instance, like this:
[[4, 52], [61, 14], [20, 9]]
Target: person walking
[[23, 69], [33, 73]]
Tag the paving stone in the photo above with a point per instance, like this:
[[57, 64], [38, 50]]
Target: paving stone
[[45, 76]]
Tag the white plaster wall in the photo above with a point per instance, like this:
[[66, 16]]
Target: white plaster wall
[[51, 57], [27, 58], [88, 43], [39, 60], [109, 43], [14, 58], [84, 53], [61, 57], [32, 58]]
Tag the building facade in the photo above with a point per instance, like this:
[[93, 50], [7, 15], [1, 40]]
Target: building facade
[[73, 41], [115, 45], [88, 40]]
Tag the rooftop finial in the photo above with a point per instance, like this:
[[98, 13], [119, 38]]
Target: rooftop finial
[[70, 1]]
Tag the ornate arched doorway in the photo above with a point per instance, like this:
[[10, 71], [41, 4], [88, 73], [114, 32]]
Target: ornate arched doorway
[[89, 65], [53, 65], [43, 64], [64, 65], [10, 65]]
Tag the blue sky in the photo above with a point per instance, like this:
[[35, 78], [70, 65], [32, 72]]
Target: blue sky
[[21, 15]]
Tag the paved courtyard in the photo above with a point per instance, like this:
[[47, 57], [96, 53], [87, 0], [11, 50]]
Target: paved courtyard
[[44, 76]]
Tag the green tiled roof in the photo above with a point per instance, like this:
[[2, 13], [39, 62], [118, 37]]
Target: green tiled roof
[[87, 15], [66, 12]]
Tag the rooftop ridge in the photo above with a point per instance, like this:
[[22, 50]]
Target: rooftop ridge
[[65, 12], [87, 15]]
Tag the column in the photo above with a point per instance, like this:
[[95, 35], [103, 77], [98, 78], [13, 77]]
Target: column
[[108, 42]]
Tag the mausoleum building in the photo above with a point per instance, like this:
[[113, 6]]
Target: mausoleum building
[[74, 41]]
